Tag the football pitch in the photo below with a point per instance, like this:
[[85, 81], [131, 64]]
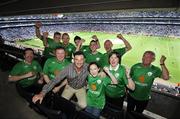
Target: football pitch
[[170, 47]]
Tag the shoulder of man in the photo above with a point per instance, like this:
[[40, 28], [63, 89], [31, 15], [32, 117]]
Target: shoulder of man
[[155, 67], [86, 65], [136, 65], [35, 62], [72, 45], [19, 64]]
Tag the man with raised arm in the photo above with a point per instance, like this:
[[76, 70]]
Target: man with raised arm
[[108, 47], [143, 75]]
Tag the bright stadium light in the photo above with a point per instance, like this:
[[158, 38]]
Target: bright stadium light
[[60, 15]]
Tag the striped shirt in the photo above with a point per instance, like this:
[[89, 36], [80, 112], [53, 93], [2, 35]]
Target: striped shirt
[[75, 80]]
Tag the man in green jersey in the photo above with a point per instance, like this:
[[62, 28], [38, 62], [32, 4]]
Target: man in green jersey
[[93, 55], [54, 65], [49, 43], [69, 47], [27, 74], [84, 48], [76, 74], [143, 75], [108, 47]]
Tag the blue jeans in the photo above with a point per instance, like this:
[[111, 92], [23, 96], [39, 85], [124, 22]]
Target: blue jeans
[[94, 111]]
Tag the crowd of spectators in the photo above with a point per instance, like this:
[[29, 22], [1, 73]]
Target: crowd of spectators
[[20, 33], [158, 22], [26, 30], [166, 23], [127, 13], [101, 14]]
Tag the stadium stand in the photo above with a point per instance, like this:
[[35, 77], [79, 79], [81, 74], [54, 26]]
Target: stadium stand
[[158, 22]]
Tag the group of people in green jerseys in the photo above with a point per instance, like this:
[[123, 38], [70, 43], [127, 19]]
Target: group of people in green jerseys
[[102, 75]]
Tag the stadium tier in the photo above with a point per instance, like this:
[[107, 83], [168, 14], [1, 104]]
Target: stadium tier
[[160, 22], [157, 22]]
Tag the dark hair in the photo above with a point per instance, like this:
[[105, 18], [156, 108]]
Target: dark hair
[[77, 38], [65, 34], [150, 52], [92, 41], [91, 63], [117, 54], [26, 49], [59, 48], [79, 53], [57, 33]]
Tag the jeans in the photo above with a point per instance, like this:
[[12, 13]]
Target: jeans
[[94, 111]]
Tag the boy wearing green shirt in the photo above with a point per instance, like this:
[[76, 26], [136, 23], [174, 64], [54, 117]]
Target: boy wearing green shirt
[[93, 55], [143, 75], [69, 47], [54, 65], [50, 47], [84, 48], [49, 43]]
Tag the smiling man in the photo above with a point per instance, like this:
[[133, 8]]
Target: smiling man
[[76, 74], [27, 75], [93, 55], [143, 74]]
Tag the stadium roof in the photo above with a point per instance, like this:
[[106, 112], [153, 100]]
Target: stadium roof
[[25, 7]]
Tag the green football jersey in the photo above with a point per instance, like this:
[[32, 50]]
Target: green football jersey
[[143, 78], [69, 49], [96, 91], [105, 57], [93, 57], [52, 67], [117, 90], [52, 45], [22, 68], [85, 48]]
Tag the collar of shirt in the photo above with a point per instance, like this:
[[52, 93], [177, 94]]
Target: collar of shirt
[[115, 69], [60, 61], [25, 62], [146, 66], [82, 68]]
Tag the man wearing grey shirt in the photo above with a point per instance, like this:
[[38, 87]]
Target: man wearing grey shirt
[[76, 74]]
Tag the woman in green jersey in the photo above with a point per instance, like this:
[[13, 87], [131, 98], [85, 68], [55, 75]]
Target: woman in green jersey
[[115, 93], [96, 88]]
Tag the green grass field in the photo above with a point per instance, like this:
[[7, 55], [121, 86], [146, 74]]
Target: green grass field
[[169, 47]]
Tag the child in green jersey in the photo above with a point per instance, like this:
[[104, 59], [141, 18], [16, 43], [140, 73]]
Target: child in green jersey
[[96, 89]]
